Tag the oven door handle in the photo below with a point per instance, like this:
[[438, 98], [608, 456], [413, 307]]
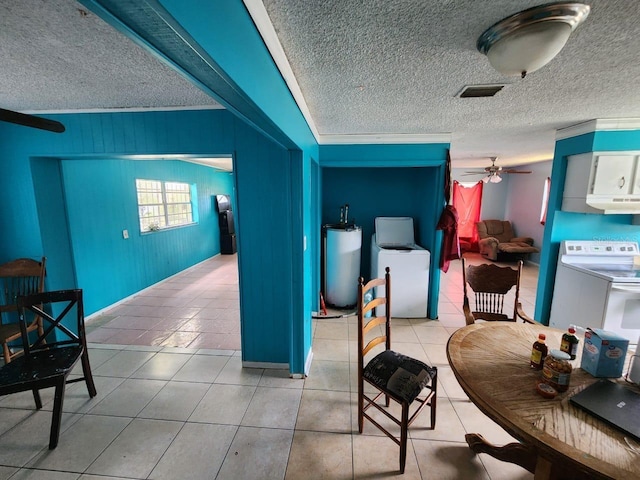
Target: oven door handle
[[626, 288]]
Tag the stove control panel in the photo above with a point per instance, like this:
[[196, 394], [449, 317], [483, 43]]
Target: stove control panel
[[593, 247]]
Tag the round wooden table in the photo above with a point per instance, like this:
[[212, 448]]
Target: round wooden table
[[557, 440]]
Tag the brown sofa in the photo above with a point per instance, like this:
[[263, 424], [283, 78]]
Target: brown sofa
[[496, 236]]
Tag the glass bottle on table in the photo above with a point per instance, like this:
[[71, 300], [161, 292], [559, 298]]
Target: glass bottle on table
[[556, 370], [569, 342], [538, 352]]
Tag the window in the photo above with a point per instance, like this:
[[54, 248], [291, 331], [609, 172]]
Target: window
[[545, 200], [163, 204]]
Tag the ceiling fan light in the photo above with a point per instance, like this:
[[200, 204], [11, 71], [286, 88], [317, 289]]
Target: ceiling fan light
[[495, 178], [486, 179], [527, 41]]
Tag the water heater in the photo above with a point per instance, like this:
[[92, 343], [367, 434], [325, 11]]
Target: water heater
[[343, 247]]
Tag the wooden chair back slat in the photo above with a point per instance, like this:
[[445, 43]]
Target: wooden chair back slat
[[373, 343], [20, 277]]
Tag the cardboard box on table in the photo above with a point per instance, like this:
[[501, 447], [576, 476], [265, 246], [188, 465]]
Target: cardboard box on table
[[603, 353]]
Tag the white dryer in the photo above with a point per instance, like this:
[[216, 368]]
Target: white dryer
[[393, 245]]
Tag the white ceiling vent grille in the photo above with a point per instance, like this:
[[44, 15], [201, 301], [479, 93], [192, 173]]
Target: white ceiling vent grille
[[476, 91]]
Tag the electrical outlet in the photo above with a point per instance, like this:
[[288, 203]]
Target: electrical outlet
[[125, 234]]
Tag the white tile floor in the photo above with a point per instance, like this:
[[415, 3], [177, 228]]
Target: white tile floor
[[168, 412]]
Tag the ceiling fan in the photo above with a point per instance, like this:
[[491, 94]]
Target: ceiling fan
[[31, 121], [493, 172]]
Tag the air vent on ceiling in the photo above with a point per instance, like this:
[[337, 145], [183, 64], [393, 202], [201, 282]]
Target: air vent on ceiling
[[475, 91]]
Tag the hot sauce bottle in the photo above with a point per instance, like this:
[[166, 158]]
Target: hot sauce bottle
[[538, 352], [569, 342]]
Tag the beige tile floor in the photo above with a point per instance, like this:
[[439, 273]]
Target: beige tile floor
[[192, 412], [197, 308]]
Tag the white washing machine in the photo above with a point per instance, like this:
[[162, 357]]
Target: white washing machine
[[393, 245]]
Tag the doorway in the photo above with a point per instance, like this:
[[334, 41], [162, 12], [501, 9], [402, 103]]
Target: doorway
[[193, 298]]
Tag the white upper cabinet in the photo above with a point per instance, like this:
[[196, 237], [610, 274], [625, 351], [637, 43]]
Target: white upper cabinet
[[613, 174], [603, 182]]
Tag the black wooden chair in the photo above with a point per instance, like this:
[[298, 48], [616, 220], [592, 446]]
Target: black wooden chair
[[394, 375], [48, 364]]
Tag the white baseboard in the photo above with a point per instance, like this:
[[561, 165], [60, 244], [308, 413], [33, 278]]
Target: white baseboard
[[307, 364]]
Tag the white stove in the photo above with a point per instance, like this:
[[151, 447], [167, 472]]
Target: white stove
[[614, 261], [598, 286]]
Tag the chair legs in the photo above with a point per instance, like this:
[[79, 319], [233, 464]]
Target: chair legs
[[404, 427], [432, 402], [36, 398], [403, 422], [58, 400], [86, 371], [6, 352], [360, 407]]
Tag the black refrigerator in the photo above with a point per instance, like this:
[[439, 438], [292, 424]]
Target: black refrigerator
[[227, 228]]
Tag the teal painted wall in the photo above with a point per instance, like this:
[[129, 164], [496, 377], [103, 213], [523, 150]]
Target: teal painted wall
[[52, 219], [384, 155], [101, 202], [268, 232], [313, 233], [579, 226]]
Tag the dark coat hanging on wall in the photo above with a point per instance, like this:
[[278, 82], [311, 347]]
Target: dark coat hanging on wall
[[450, 246], [448, 223]]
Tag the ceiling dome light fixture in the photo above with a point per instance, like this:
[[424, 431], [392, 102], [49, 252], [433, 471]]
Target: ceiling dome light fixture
[[527, 41]]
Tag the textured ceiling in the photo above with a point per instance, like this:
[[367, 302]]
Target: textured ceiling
[[363, 66], [55, 55], [396, 66]]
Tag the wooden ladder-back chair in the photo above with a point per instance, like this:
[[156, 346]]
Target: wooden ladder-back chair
[[49, 364], [490, 284], [394, 375], [17, 278]]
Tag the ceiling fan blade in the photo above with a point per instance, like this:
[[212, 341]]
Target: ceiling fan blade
[[516, 171], [31, 121]]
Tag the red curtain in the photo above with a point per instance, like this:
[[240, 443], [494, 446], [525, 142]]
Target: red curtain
[[467, 202]]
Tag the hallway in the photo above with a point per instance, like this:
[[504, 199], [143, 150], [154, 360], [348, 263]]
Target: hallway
[[197, 308]]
